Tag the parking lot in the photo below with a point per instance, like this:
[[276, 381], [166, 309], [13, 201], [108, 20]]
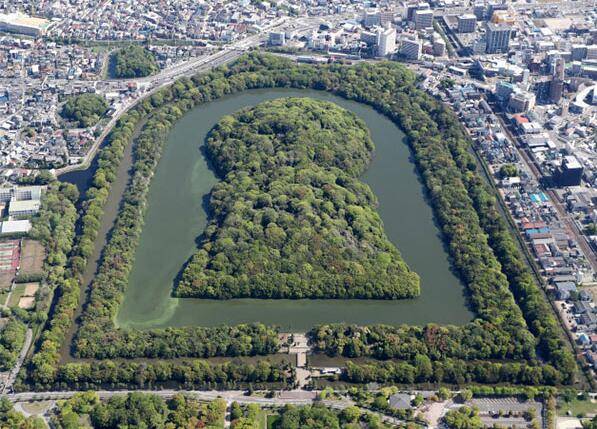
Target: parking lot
[[507, 412], [486, 405]]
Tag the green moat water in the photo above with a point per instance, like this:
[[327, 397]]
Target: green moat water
[[176, 217]]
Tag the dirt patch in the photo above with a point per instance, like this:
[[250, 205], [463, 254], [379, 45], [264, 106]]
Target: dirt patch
[[30, 289], [5, 280], [36, 408], [32, 257], [27, 302]]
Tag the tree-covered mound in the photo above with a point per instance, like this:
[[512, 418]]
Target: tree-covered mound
[[133, 61], [84, 110], [290, 217]]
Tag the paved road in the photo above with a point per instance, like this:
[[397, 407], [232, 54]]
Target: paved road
[[192, 67], [296, 397], [15, 370], [202, 64]]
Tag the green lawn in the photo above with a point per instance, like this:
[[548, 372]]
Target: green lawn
[[17, 293], [263, 419], [577, 407], [37, 408]]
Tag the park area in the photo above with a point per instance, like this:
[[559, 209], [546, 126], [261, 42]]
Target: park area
[[23, 295], [577, 407], [21, 267], [32, 258]]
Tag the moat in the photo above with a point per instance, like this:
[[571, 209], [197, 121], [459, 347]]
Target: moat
[[176, 216]]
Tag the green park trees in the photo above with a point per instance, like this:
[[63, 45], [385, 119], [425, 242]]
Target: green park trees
[[291, 219], [318, 416], [508, 170], [12, 337], [463, 418], [138, 410], [133, 61], [84, 110], [12, 419]]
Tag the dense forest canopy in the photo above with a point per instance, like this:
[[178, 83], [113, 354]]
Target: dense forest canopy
[[133, 61], [12, 336], [84, 110], [137, 410], [318, 416], [291, 219], [12, 419], [463, 418]]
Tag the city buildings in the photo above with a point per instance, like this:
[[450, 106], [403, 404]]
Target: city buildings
[[21, 200], [20, 193], [277, 38], [439, 46], [15, 226], [497, 38], [569, 173], [521, 101], [386, 42], [523, 85], [467, 23], [411, 49], [423, 19], [18, 208], [372, 18]]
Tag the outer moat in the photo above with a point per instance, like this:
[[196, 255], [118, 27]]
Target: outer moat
[[176, 217]]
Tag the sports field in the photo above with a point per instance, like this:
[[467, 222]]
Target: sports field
[[32, 257]]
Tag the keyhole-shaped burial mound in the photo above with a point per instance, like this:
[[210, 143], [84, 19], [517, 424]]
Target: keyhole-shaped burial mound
[[290, 217]]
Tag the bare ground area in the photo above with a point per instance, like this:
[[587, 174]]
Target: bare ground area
[[5, 281], [32, 257]]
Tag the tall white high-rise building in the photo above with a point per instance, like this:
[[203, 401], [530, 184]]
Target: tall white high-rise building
[[386, 42]]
